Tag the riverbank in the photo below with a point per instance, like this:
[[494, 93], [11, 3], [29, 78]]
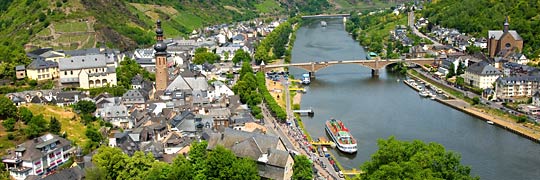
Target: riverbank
[[502, 122]]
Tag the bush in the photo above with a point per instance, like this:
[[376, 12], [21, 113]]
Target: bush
[[10, 136], [521, 119], [475, 100]]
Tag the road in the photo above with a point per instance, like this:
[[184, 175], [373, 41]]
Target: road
[[418, 33]]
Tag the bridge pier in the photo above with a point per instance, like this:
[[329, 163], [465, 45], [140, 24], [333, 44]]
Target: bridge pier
[[311, 75], [374, 73]]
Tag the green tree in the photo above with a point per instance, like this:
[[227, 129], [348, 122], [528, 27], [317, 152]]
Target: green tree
[[461, 68], [94, 173], [475, 100], [460, 81], [110, 161], [55, 127], [7, 108], [219, 162], [413, 160], [136, 166], [197, 157], [160, 170], [181, 169], [25, 115], [451, 71], [85, 107], [36, 126], [302, 169], [244, 168], [241, 56], [128, 69], [9, 124]]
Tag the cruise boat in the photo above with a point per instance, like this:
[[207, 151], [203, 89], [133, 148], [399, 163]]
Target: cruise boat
[[341, 136]]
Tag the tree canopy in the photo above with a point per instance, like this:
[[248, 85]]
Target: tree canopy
[[85, 107], [241, 56], [202, 55], [219, 163], [7, 108], [128, 69], [302, 169], [413, 160]]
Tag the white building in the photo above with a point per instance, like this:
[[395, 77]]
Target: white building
[[87, 71], [227, 53], [517, 86], [39, 156], [481, 75]]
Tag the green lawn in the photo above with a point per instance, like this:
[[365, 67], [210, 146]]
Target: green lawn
[[71, 27], [44, 32], [74, 128], [268, 6]]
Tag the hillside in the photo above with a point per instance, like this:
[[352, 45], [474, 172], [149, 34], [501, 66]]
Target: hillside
[[122, 24], [479, 16]]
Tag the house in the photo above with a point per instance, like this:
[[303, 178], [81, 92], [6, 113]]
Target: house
[[517, 86], [481, 75], [116, 114], [74, 173], [38, 156], [66, 98], [87, 71], [272, 157], [135, 98], [536, 99], [123, 141], [52, 56], [20, 72], [502, 42], [145, 86], [239, 39], [174, 142], [220, 90], [227, 53], [41, 69]]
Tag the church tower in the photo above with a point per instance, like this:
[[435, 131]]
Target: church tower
[[162, 74]]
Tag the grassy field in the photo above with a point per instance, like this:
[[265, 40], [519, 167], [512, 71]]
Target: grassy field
[[268, 6], [74, 128], [71, 27], [44, 32]]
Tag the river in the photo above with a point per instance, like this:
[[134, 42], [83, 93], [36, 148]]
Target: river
[[374, 108]]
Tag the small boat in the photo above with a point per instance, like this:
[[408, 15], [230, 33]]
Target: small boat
[[323, 23], [423, 93], [439, 91], [432, 96], [490, 122]]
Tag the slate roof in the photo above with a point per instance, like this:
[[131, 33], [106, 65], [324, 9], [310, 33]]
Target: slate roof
[[511, 80], [83, 52], [483, 68], [83, 62], [497, 34], [31, 149], [42, 64], [19, 68], [231, 137], [74, 173]]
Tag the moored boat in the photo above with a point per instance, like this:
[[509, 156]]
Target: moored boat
[[341, 136], [423, 93]]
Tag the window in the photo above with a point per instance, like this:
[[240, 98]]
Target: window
[[71, 72], [65, 72], [507, 45]]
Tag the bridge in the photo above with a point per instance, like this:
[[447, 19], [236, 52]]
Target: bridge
[[374, 65], [326, 16]]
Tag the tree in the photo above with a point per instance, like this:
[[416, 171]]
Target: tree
[[241, 56], [475, 100], [137, 165], [181, 168], [9, 124], [202, 56], [219, 163], [413, 160], [461, 68], [244, 168], [25, 115], [110, 161], [460, 81], [7, 108], [85, 107], [36, 126], [197, 157], [451, 71], [302, 169], [54, 126]]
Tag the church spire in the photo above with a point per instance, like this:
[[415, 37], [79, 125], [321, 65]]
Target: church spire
[[506, 25]]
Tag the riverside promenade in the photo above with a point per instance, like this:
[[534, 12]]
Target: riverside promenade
[[465, 107]]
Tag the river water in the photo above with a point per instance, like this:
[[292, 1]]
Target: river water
[[374, 108]]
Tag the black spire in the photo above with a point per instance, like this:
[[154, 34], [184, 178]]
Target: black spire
[[506, 24], [160, 47], [159, 31]]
